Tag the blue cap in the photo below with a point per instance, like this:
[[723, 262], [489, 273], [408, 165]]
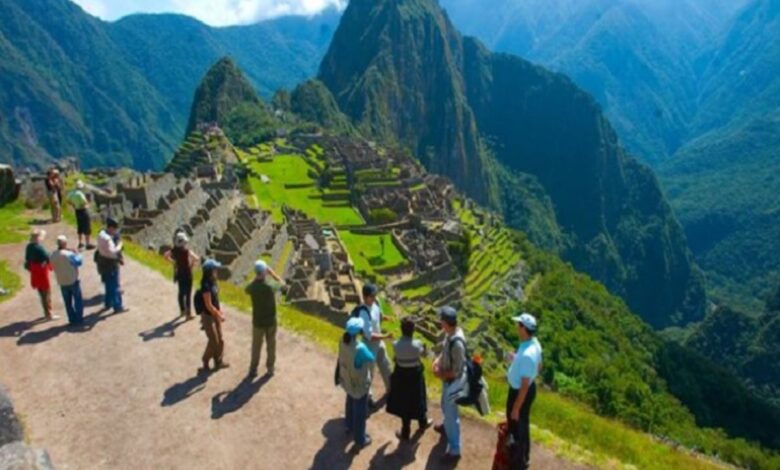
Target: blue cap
[[210, 264], [261, 266], [448, 313], [370, 289], [354, 326]]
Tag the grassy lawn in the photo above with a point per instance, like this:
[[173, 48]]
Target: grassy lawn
[[14, 224], [9, 280], [417, 291], [367, 254], [293, 169]]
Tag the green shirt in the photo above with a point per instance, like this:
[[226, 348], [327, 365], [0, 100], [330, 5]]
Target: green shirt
[[263, 295], [77, 199]]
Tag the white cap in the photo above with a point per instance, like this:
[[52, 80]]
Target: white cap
[[79, 184], [62, 239], [527, 320], [181, 238], [261, 267]]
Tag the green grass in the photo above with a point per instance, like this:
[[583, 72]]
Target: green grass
[[9, 280], [416, 292], [14, 224], [367, 254], [293, 169]]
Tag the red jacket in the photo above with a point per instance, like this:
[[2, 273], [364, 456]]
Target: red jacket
[[39, 275]]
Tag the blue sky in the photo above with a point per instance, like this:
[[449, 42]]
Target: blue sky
[[213, 12]]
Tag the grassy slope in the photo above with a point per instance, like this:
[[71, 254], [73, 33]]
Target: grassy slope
[[367, 253]]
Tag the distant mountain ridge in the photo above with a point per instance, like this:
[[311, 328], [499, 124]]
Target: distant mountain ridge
[[119, 93], [489, 121]]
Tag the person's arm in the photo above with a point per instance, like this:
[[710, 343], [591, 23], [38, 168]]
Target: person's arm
[[273, 274], [213, 311], [168, 255], [518, 404], [193, 259]]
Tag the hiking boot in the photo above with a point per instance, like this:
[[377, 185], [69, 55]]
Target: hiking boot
[[450, 459], [252, 374], [90, 246], [221, 365]]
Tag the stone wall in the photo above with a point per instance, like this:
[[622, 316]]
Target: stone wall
[[9, 189], [14, 453]]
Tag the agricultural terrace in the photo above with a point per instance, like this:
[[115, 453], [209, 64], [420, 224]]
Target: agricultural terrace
[[369, 253]]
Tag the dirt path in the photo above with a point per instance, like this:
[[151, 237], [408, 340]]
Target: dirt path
[[123, 392]]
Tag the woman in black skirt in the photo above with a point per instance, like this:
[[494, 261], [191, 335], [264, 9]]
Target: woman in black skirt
[[408, 398]]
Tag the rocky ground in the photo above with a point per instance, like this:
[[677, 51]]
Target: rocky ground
[[123, 392]]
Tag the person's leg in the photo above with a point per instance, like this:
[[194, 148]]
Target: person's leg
[[270, 338], [211, 335], [524, 429], [188, 295], [451, 422], [513, 435], [181, 297], [219, 354], [78, 303], [118, 305], [348, 418], [45, 296], [406, 428], [67, 299], [111, 290], [383, 363], [257, 343], [360, 413]]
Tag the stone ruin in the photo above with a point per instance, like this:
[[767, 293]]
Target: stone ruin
[[321, 276], [9, 186]]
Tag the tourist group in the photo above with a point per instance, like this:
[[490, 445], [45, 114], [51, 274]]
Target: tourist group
[[361, 351]]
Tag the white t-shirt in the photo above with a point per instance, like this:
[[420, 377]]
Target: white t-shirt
[[525, 364], [372, 321]]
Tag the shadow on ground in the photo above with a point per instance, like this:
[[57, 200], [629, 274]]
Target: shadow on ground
[[37, 337], [166, 330], [229, 402], [338, 452], [183, 390]]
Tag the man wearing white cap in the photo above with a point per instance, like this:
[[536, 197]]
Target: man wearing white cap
[[526, 364], [78, 200], [262, 291], [66, 265]]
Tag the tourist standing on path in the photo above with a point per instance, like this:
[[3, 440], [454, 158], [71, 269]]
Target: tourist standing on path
[[66, 265], [109, 259], [526, 364], [450, 367], [408, 398], [54, 192], [211, 316], [78, 200], [183, 260], [262, 291], [354, 374], [36, 261], [372, 331]]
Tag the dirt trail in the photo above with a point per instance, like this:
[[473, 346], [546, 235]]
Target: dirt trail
[[123, 391]]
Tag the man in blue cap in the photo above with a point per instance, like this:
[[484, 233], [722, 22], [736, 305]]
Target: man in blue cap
[[372, 332], [526, 364], [354, 374], [450, 367], [263, 291]]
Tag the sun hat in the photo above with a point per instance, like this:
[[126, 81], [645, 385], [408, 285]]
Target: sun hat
[[181, 239], [354, 326], [62, 239], [527, 320], [261, 267], [38, 234], [211, 264]]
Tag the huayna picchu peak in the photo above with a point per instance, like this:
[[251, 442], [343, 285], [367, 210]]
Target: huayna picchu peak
[[517, 138]]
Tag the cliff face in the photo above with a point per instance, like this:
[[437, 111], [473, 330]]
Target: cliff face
[[494, 122]]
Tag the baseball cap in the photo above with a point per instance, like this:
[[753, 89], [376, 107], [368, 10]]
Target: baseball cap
[[62, 239], [527, 320], [448, 313], [354, 326], [181, 238], [370, 289], [210, 264], [261, 266], [112, 222], [79, 184]]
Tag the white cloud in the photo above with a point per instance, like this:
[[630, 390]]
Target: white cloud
[[213, 12]]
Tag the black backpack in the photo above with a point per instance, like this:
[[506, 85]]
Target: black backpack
[[197, 302], [473, 376], [358, 310]]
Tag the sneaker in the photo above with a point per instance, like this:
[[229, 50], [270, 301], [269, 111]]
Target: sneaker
[[252, 374], [52, 317], [81, 246], [366, 442], [122, 310], [222, 365], [450, 459], [270, 372]]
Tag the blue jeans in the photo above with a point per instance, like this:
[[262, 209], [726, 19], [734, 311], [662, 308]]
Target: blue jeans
[[356, 416], [451, 421], [113, 296], [74, 304]]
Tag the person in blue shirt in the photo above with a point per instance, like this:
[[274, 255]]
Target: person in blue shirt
[[525, 366], [354, 374]]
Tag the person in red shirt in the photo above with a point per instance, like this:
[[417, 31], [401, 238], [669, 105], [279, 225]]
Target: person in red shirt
[[36, 261]]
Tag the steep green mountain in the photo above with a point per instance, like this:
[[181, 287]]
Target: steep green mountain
[[66, 90], [478, 117], [746, 345], [312, 102], [118, 93]]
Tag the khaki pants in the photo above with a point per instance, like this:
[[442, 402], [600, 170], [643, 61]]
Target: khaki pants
[[381, 361], [215, 349], [260, 335], [45, 296]]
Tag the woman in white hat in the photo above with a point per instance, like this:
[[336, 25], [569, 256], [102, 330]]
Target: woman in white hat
[[36, 261], [183, 260]]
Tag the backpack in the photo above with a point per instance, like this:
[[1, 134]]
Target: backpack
[[357, 311], [473, 377], [197, 302]]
